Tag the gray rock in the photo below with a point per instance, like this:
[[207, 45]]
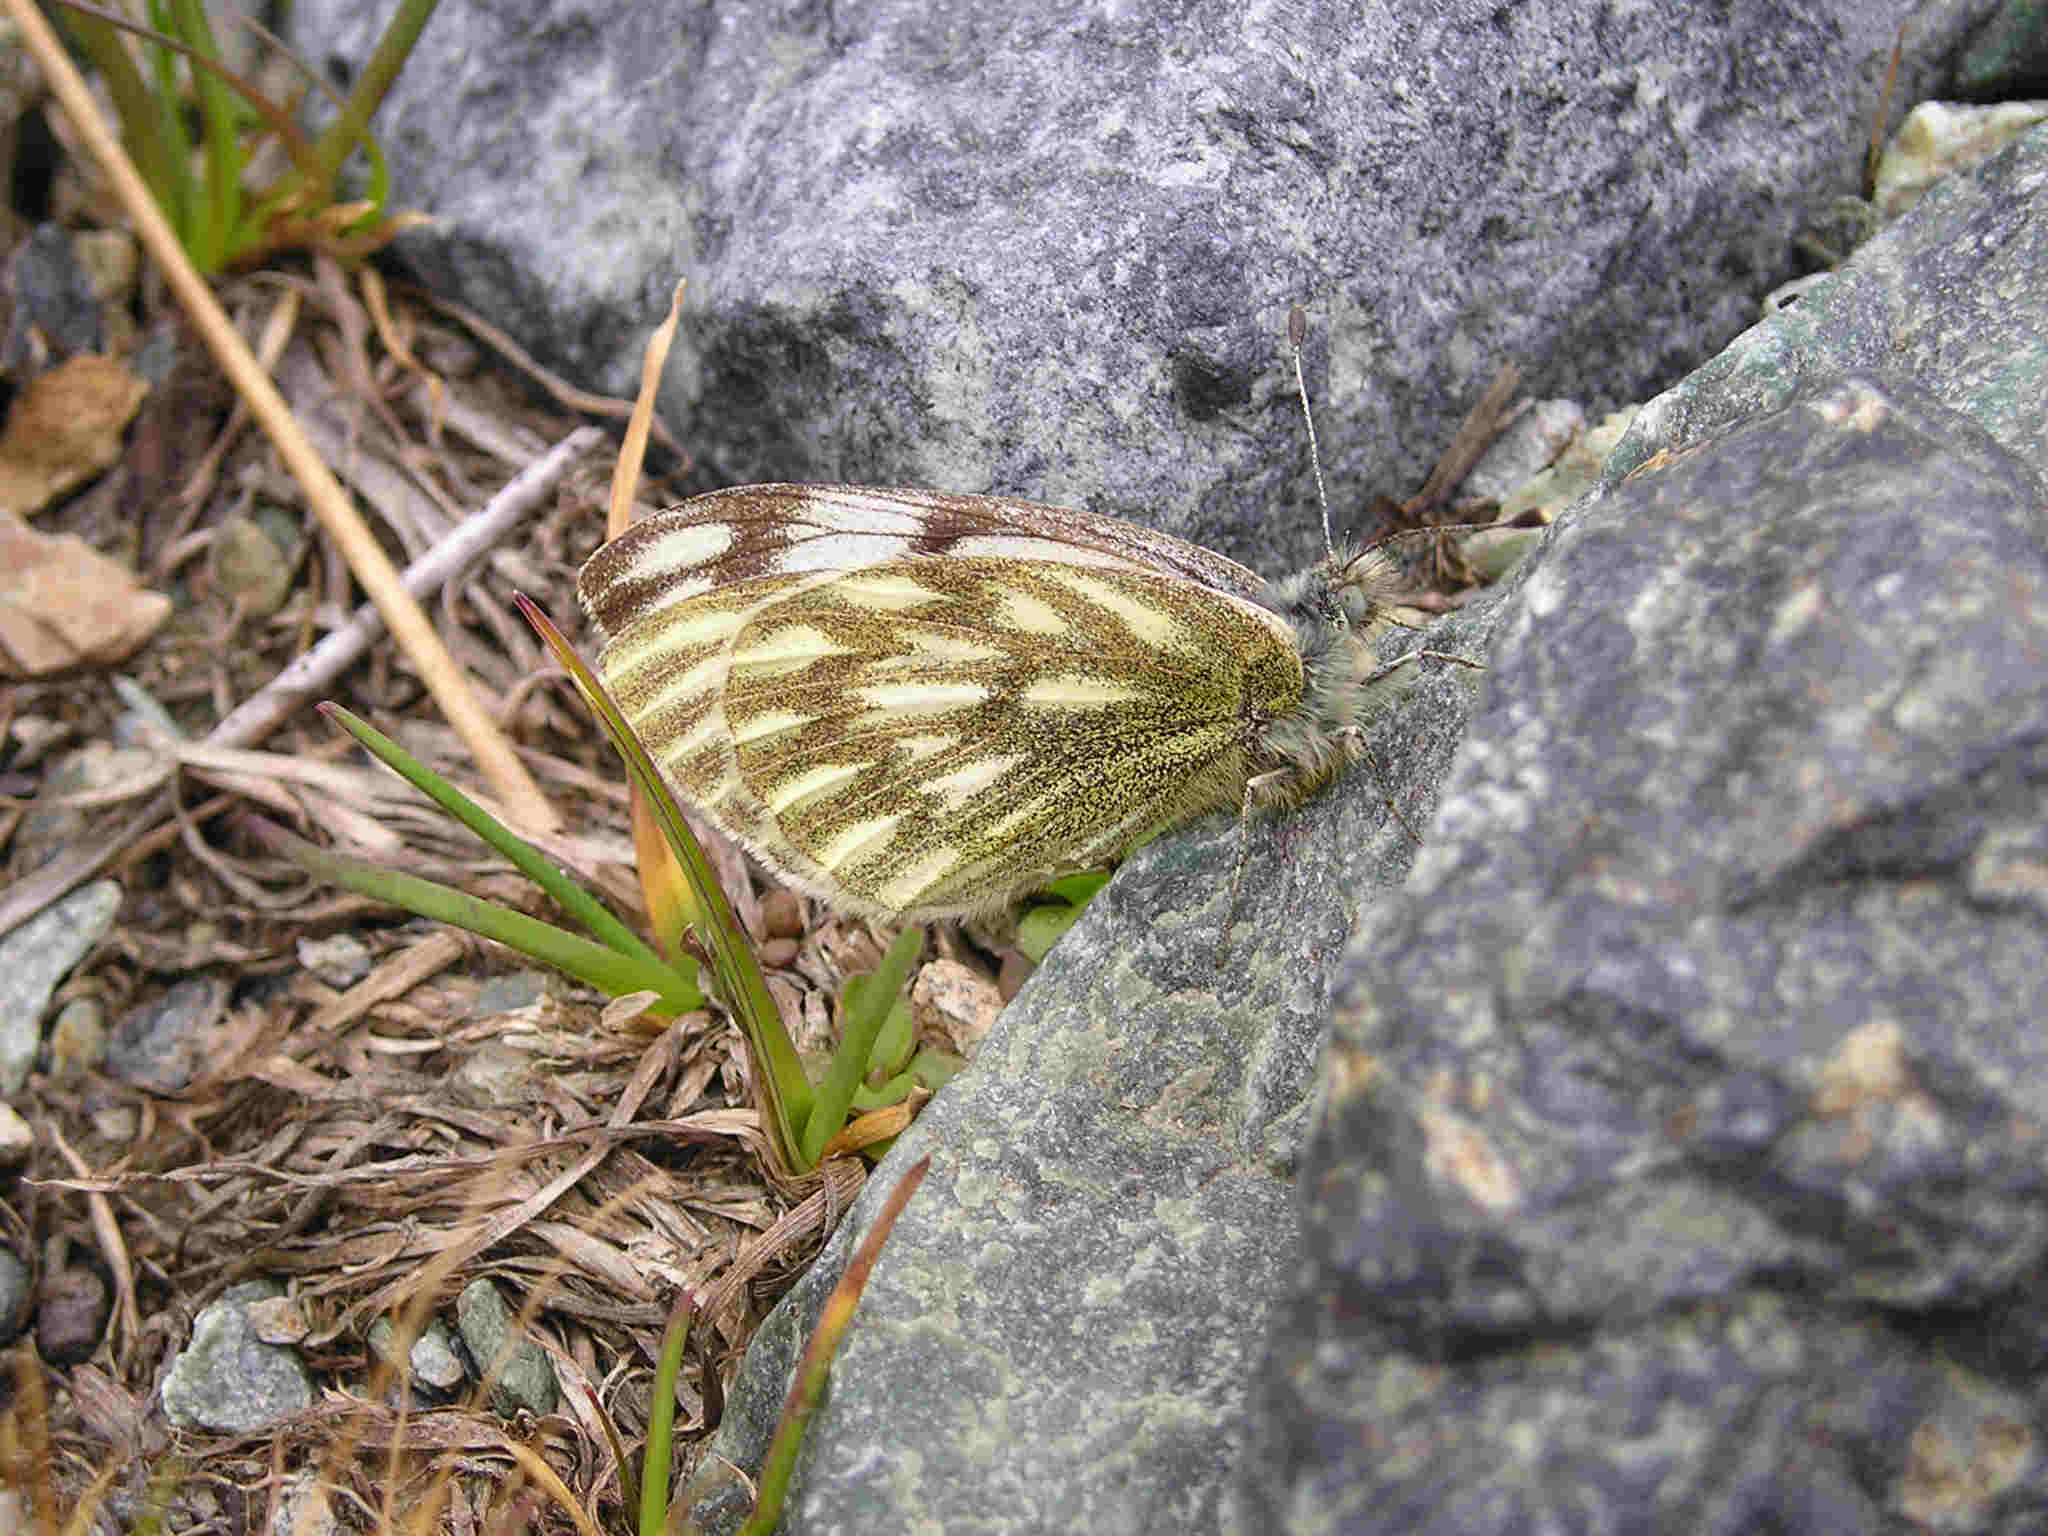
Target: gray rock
[[495, 1072], [305, 1509], [1670, 1105], [518, 1370], [55, 299], [2008, 56], [1949, 296], [51, 827], [340, 959], [34, 958], [72, 1308], [229, 1381], [1049, 252], [160, 1045], [1675, 1108], [432, 1361], [249, 567], [510, 993]]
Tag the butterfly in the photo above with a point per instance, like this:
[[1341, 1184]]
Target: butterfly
[[917, 705]]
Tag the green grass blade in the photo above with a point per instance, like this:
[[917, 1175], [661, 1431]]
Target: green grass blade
[[350, 125], [589, 962], [785, 1091], [859, 1028], [132, 99], [167, 122], [658, 1459], [597, 919], [218, 201], [929, 1069]]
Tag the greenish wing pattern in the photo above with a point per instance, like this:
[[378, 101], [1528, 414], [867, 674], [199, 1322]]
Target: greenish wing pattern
[[927, 736]]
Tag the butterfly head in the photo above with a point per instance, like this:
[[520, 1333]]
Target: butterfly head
[[1341, 594]]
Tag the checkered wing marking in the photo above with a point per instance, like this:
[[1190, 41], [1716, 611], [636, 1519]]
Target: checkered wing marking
[[929, 737], [753, 531]]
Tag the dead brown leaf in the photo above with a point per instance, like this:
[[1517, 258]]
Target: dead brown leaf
[[63, 604], [64, 428]]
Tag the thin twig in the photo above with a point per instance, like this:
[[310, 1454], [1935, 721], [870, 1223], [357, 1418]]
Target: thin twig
[[264, 711], [1482, 424], [528, 806], [112, 1248], [582, 401]]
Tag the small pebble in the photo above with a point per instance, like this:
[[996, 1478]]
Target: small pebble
[[782, 913], [78, 1039], [340, 960], [71, 1314], [957, 1001], [278, 1319]]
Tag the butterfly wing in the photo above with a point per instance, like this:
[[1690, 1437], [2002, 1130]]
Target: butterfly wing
[[752, 531], [936, 731]]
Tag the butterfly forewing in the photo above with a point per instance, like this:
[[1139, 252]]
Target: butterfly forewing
[[762, 530], [931, 732]]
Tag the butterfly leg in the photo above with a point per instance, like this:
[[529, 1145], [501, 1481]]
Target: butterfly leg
[[1356, 737], [1253, 786], [1402, 660], [1355, 744]]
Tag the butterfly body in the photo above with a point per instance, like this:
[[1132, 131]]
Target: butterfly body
[[915, 705]]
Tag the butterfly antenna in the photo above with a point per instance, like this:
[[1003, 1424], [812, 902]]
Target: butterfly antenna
[[1297, 333]]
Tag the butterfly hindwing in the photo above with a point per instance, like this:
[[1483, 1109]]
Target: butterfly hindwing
[[931, 730]]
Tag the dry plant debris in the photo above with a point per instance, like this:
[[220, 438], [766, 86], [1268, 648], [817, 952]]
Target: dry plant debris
[[376, 1141]]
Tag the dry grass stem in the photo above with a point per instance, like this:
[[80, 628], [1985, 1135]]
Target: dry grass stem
[[365, 556]]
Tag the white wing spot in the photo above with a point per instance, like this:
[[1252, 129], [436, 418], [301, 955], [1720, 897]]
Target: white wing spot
[[855, 840], [701, 625], [1029, 615], [1150, 624], [921, 747], [886, 590], [773, 723], [1075, 690], [922, 698], [1016, 821], [940, 646], [847, 550], [680, 550], [708, 729], [787, 647], [1036, 548], [903, 889], [820, 780], [672, 630], [964, 783], [699, 682]]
